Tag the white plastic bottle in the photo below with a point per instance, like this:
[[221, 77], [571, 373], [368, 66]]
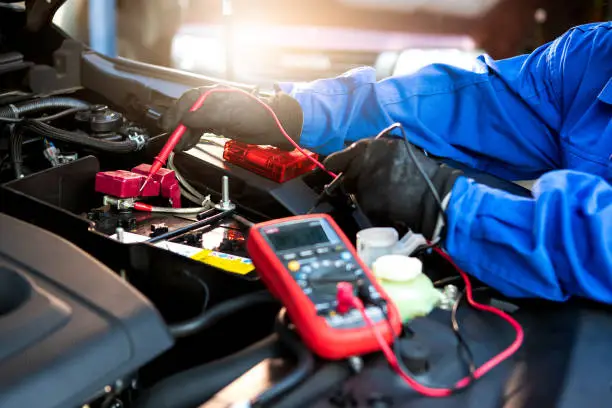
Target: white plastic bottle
[[410, 289]]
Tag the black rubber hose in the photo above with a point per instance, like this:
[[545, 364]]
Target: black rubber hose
[[61, 114], [324, 380], [81, 138], [15, 149], [305, 363], [222, 310], [192, 387], [43, 104]]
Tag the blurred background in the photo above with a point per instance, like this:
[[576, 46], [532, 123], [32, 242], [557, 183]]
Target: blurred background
[[262, 41]]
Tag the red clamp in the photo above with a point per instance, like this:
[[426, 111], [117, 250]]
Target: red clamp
[[127, 184]]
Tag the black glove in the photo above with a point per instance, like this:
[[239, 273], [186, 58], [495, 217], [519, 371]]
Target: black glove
[[389, 187], [236, 116]]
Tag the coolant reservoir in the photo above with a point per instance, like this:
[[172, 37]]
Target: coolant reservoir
[[403, 279]]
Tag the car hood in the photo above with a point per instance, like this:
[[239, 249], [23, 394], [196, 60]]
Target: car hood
[[325, 38]]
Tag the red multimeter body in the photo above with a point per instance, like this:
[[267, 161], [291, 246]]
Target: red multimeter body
[[301, 259]]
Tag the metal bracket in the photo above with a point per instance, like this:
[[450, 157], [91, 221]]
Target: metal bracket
[[139, 139], [119, 203], [67, 158]]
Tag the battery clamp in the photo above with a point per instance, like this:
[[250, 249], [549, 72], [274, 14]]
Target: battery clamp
[[307, 263]]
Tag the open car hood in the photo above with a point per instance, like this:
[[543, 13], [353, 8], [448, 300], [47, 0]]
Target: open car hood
[[459, 8]]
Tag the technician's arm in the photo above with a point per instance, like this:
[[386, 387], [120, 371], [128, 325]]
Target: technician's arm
[[475, 117], [556, 245], [503, 117]]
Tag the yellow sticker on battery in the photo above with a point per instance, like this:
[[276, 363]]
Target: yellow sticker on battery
[[226, 262]]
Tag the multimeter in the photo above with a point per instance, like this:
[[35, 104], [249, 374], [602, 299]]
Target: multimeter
[[301, 260]]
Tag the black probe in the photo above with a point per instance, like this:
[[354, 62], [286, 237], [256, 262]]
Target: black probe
[[329, 189]]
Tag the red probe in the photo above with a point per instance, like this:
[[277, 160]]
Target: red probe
[[180, 130], [174, 138]]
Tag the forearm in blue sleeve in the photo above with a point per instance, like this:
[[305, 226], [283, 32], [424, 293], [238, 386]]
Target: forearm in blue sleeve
[[474, 117], [339, 110], [555, 245]]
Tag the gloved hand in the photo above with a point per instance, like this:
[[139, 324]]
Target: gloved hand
[[389, 187], [236, 116]]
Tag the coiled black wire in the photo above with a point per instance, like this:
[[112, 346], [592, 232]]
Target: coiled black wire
[[17, 124], [15, 144], [38, 105], [14, 113], [49, 118], [81, 138]]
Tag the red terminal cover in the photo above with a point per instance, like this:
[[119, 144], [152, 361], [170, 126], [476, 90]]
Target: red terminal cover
[[269, 162], [167, 180], [127, 184], [124, 184]]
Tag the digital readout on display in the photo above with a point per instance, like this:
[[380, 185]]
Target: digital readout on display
[[298, 237]]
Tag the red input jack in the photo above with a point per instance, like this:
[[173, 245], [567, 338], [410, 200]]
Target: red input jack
[[345, 297]]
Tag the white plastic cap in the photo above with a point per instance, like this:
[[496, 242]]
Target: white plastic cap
[[378, 237], [397, 268]]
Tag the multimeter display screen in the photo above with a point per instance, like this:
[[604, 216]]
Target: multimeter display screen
[[298, 237]]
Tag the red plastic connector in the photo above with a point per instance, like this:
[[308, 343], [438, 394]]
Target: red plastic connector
[[167, 180], [270, 162], [124, 184], [127, 184]]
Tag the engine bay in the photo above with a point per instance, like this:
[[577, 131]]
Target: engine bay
[[121, 291], [77, 137]]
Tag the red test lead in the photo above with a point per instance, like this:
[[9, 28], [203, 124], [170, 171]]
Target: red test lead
[[180, 130], [173, 140], [345, 296]]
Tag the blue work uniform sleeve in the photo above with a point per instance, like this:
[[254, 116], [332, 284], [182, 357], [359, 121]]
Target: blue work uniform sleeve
[[502, 117], [494, 118], [555, 245], [559, 243]]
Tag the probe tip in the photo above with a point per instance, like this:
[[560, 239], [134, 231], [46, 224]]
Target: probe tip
[[143, 185]]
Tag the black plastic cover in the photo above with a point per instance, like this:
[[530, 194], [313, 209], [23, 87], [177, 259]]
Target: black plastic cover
[[69, 326]]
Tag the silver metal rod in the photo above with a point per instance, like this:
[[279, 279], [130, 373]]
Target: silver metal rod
[[225, 203], [225, 189]]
